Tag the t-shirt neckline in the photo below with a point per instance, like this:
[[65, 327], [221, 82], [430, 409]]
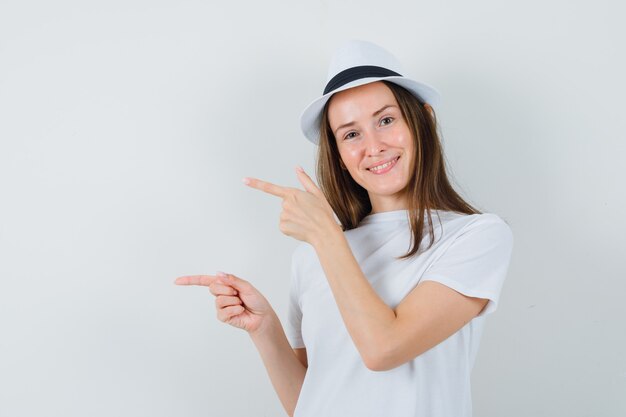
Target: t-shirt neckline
[[383, 216], [395, 215]]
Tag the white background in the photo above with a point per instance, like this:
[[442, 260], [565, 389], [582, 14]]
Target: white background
[[125, 130]]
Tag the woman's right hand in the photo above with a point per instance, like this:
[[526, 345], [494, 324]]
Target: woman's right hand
[[237, 302]]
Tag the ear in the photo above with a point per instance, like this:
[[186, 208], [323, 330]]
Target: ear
[[429, 108]]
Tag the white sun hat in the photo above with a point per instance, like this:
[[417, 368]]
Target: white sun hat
[[355, 63]]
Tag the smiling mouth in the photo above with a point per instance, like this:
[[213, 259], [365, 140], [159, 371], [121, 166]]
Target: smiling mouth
[[387, 166]]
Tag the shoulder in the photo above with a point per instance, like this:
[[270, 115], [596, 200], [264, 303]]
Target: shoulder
[[487, 227], [490, 220]]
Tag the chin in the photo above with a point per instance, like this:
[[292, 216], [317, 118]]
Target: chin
[[386, 192]]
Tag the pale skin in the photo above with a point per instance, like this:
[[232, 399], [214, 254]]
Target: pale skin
[[385, 337]]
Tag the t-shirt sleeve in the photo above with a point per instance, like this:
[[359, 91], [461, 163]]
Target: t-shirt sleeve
[[293, 325], [476, 262]]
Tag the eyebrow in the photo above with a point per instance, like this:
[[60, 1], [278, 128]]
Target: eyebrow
[[376, 113]]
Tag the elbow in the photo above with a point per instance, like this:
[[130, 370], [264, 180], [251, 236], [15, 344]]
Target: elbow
[[377, 361], [378, 365], [384, 352], [384, 359], [374, 366]]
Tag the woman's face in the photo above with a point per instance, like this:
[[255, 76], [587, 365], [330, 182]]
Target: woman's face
[[370, 131]]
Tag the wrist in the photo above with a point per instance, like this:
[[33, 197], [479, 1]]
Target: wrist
[[328, 234], [269, 324]]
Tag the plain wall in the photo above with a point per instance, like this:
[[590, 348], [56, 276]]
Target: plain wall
[[125, 130]]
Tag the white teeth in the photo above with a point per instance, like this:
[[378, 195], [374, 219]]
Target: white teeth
[[383, 166]]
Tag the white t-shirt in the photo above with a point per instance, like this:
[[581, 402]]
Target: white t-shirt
[[471, 254]]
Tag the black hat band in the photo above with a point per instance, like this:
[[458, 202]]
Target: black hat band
[[355, 73]]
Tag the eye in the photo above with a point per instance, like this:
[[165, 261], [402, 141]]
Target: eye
[[348, 135], [390, 119]]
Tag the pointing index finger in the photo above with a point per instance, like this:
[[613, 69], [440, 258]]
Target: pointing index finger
[[204, 280], [266, 186]]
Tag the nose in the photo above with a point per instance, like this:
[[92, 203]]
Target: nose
[[374, 142]]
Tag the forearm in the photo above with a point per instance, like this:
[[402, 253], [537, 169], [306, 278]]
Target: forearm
[[366, 316], [283, 367]]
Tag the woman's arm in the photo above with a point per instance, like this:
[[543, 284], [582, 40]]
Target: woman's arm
[[302, 357], [241, 305], [384, 337], [283, 366]]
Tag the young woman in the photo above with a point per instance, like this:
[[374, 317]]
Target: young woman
[[387, 306]]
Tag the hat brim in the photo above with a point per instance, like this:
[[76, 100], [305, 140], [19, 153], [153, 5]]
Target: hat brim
[[312, 115]]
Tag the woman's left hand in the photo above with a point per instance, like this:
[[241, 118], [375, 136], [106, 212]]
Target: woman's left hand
[[306, 215]]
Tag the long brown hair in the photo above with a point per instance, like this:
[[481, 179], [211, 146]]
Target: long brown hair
[[428, 187]]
